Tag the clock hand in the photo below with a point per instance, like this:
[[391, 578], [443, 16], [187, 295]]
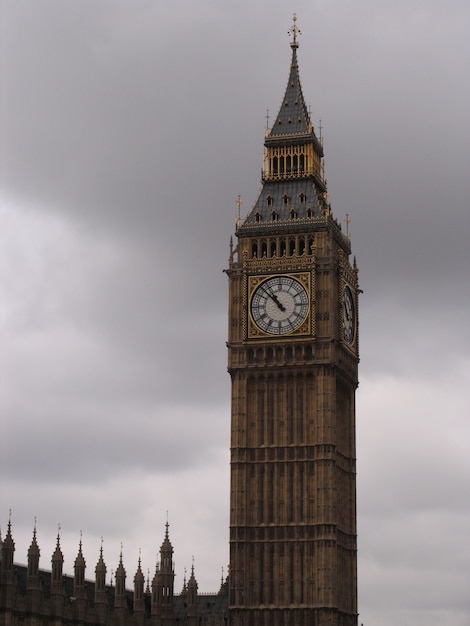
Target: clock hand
[[275, 299], [279, 304]]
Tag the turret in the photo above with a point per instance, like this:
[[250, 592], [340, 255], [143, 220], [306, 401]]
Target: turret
[[120, 593], [57, 561], [34, 553], [79, 590], [100, 587], [7, 578], [57, 582], [192, 599], [139, 582], [163, 592], [79, 573], [8, 553]]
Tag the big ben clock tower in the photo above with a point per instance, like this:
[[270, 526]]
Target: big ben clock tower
[[293, 360]]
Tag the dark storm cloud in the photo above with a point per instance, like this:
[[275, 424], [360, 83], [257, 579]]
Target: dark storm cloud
[[128, 129]]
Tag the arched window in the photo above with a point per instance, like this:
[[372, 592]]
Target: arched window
[[291, 246], [302, 197], [274, 216], [275, 165], [273, 247], [254, 249], [285, 199], [293, 214], [269, 200]]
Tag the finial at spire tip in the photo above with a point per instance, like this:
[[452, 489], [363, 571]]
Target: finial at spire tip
[[294, 30]]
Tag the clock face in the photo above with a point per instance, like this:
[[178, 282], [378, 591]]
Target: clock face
[[349, 324], [279, 305]]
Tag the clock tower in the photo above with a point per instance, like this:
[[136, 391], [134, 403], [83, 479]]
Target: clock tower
[[293, 361]]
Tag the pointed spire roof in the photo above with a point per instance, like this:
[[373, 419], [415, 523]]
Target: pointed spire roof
[[139, 575], [192, 583], [166, 545], [80, 560], [120, 571], [100, 566], [293, 117], [8, 542], [8, 549], [58, 556], [34, 548]]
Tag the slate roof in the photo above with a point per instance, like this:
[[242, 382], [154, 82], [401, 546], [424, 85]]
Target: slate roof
[[293, 117], [284, 198]]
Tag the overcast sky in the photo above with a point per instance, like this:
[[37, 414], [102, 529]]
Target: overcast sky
[[128, 127]]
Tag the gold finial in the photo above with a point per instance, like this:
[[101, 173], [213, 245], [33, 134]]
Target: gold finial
[[239, 204], [347, 221], [294, 30]]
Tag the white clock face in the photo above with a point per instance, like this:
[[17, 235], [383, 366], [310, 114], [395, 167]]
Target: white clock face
[[279, 305], [349, 323]]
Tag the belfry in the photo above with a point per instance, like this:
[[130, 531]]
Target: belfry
[[293, 362]]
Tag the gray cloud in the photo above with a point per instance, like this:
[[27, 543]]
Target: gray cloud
[[128, 131]]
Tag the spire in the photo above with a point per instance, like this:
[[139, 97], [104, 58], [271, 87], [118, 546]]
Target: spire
[[120, 597], [192, 597], [139, 582], [79, 572], [8, 549], [163, 582], [166, 551], [293, 117], [293, 194], [80, 560], [192, 583], [58, 556], [33, 561], [7, 573], [139, 575], [100, 578], [57, 566]]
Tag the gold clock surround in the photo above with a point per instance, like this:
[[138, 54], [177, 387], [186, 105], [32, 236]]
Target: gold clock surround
[[304, 328]]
